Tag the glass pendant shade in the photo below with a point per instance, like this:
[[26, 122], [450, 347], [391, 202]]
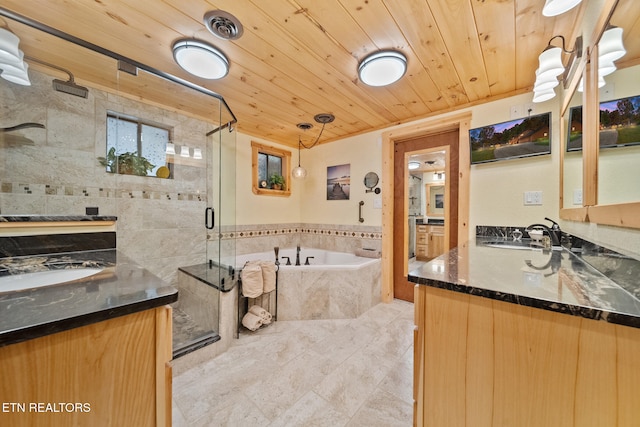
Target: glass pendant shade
[[9, 51], [558, 7], [605, 68], [610, 47], [382, 68], [544, 84], [171, 148], [299, 172], [543, 95], [200, 59], [197, 153], [550, 61], [601, 83], [16, 74], [184, 151]]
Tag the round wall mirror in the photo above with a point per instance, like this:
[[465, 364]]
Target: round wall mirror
[[370, 181]]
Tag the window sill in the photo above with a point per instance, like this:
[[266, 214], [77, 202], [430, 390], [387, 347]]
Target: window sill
[[270, 192]]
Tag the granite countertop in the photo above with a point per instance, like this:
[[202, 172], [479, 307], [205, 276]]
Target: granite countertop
[[556, 280], [121, 288], [55, 218]]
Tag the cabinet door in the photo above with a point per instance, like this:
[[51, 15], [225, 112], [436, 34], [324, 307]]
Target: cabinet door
[[436, 242]]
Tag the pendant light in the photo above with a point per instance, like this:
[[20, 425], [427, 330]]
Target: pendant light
[[299, 172], [558, 7]]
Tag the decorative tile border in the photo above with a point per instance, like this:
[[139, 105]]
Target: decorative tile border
[[253, 231], [82, 191]]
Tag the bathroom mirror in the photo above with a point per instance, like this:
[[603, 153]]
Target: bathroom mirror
[[610, 191], [371, 181]]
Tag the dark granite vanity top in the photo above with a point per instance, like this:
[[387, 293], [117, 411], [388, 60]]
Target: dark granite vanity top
[[55, 218], [556, 280], [122, 287]]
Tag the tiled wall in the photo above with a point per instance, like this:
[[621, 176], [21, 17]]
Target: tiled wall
[[54, 171]]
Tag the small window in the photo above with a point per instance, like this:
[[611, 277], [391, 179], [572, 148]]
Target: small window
[[271, 168], [136, 147]]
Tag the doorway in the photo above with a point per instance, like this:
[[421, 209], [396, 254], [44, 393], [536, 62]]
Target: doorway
[[458, 122], [446, 142]]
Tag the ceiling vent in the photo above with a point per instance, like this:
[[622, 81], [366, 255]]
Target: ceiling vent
[[223, 24]]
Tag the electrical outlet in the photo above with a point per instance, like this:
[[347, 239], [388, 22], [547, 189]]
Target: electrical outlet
[[577, 196], [533, 198]]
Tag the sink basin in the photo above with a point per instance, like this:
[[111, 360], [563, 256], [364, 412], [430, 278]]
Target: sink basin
[[19, 282]]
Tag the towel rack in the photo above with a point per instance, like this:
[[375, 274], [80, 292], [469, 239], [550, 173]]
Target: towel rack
[[360, 211], [243, 302]]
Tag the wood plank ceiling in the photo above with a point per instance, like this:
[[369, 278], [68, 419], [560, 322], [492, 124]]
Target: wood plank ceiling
[[298, 58]]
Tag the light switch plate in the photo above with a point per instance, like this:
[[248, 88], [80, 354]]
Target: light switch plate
[[533, 198], [377, 203], [577, 196]]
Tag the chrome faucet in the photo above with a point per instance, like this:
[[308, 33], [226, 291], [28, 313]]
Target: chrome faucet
[[298, 255], [555, 234]]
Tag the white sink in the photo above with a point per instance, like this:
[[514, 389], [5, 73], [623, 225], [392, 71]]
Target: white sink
[[18, 282]]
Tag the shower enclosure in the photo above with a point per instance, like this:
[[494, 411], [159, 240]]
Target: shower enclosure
[[151, 149]]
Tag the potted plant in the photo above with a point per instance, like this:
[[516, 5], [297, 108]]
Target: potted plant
[[126, 163], [277, 182]]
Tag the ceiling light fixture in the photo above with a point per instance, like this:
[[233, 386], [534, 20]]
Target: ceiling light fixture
[[558, 7], [413, 165], [299, 172], [200, 59], [610, 47], [382, 68]]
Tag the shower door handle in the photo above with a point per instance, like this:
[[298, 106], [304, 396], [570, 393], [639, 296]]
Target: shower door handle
[[209, 218]]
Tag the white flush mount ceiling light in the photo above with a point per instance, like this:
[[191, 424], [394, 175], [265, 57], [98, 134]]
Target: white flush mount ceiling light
[[200, 59], [413, 165], [558, 7], [382, 68]]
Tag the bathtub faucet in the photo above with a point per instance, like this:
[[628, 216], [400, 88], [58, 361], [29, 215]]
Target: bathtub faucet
[[298, 255]]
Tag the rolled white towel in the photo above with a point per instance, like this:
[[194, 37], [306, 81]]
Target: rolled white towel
[[251, 321], [268, 276], [252, 279], [263, 314]]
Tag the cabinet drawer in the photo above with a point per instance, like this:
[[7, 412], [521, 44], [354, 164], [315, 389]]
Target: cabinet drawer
[[421, 228], [422, 238], [421, 250]]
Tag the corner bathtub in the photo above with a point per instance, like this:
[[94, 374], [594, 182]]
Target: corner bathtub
[[336, 285]]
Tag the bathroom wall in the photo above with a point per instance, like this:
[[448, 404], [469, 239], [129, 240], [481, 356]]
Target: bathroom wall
[[496, 189], [55, 172]]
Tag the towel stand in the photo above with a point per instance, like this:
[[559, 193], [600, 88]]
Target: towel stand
[[268, 301]]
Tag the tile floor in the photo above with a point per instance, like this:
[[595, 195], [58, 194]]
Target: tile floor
[[334, 373]]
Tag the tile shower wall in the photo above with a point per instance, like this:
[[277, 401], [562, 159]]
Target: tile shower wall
[[54, 171]]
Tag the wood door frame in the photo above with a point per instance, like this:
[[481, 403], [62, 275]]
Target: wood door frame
[[462, 123]]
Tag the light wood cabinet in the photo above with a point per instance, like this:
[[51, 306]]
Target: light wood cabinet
[[480, 362], [115, 372], [429, 241]]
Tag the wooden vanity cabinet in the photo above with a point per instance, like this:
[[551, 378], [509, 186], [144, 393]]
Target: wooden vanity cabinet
[[114, 372], [429, 241]]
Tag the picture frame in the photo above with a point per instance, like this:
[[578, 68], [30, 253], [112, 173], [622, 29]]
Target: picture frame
[[525, 137], [339, 182]]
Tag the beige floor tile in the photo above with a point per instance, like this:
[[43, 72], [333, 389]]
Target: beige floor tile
[[307, 373]]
